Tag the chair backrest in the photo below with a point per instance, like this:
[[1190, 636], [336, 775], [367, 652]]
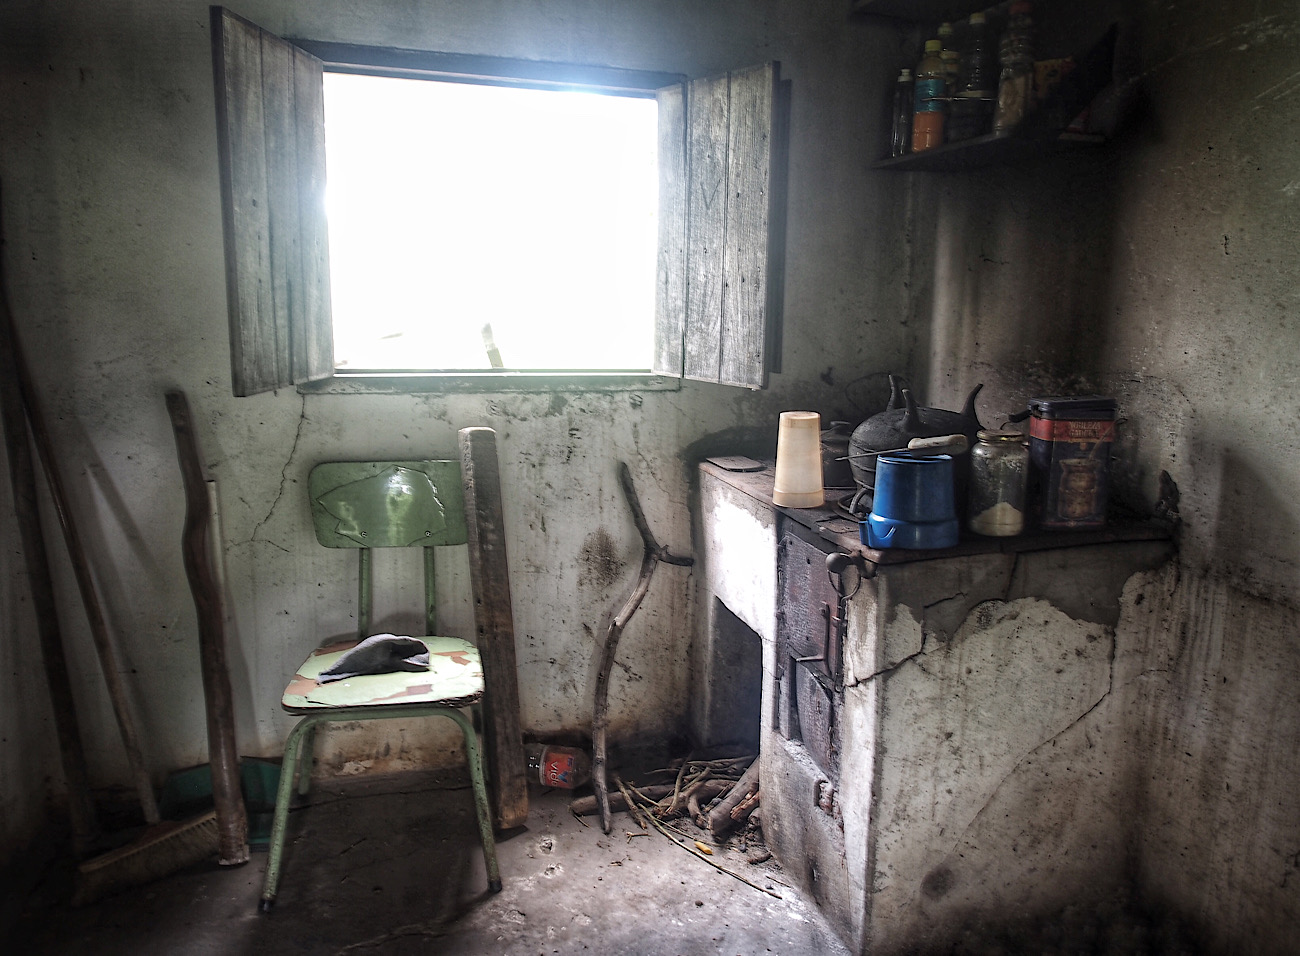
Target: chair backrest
[[388, 504]]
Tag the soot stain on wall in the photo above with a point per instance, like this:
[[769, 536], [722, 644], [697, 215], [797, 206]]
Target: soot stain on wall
[[601, 566]]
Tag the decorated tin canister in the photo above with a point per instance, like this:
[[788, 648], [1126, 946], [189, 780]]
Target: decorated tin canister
[[1069, 453]]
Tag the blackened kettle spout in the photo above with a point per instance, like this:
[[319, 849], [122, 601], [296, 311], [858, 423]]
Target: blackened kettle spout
[[895, 393], [912, 419], [968, 410]]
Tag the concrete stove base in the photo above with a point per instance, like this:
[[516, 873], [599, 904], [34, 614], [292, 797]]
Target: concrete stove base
[[978, 773]]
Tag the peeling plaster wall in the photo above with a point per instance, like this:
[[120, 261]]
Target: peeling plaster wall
[[988, 774], [1000, 711], [113, 256], [989, 790], [1162, 271]]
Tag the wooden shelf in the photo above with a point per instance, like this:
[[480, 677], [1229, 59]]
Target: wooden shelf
[[1079, 88], [992, 148]]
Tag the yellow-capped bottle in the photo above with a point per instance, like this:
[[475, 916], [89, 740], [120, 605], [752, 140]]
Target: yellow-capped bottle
[[931, 99]]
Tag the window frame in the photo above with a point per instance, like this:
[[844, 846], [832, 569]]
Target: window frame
[[720, 265], [483, 70]]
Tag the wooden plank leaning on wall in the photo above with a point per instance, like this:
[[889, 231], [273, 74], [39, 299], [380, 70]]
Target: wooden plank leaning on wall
[[495, 627]]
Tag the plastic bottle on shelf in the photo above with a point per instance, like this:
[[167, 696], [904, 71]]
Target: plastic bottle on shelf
[[972, 104], [931, 99], [562, 767], [1016, 55], [977, 63], [904, 97], [950, 55]]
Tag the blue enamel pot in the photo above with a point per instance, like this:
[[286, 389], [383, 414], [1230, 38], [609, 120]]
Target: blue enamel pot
[[914, 504]]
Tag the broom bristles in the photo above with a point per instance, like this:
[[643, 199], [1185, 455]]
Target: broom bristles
[[159, 851]]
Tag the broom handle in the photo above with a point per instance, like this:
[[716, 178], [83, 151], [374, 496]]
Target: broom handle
[[22, 475], [232, 818], [86, 584]]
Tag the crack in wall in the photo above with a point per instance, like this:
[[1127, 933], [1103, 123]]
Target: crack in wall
[[284, 479], [1110, 686], [955, 597], [887, 671], [1292, 862]]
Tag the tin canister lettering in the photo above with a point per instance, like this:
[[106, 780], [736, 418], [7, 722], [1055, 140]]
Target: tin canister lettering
[[1071, 458]]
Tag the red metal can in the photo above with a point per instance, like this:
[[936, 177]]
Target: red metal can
[[1069, 455], [553, 766]]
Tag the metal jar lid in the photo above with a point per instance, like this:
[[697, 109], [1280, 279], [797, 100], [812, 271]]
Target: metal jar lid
[[1081, 407], [993, 436]]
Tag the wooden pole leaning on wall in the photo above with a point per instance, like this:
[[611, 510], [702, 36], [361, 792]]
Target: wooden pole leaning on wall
[[107, 654], [22, 476], [495, 625], [654, 553], [223, 755]]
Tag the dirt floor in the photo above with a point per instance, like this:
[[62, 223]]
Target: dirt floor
[[393, 866]]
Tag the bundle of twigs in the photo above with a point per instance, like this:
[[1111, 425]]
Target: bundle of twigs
[[695, 784], [698, 782], [702, 780], [689, 788]]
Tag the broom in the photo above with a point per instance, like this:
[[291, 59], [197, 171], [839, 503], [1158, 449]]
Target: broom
[[160, 851], [165, 846]]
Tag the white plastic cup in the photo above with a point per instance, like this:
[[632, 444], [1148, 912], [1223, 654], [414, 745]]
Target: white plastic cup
[[799, 461]]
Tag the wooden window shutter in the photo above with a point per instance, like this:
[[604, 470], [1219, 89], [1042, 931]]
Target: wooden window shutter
[[271, 134], [722, 227]]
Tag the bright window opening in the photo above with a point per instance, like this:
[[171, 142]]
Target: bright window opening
[[475, 226]]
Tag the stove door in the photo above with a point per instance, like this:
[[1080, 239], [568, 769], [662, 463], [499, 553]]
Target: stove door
[[809, 658]]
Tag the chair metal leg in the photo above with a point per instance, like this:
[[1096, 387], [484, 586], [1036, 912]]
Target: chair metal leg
[[474, 757], [297, 752], [306, 760], [283, 797]]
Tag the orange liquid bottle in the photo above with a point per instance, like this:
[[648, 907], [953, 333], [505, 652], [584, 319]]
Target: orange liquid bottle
[[931, 99]]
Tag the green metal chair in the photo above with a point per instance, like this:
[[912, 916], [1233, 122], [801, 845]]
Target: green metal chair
[[384, 504]]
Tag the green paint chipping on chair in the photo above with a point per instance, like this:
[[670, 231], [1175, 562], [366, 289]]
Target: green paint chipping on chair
[[384, 504]]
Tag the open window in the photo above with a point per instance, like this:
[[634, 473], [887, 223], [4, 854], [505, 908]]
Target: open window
[[713, 310]]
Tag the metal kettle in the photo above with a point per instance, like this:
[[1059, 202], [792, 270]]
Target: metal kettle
[[900, 422], [836, 469]]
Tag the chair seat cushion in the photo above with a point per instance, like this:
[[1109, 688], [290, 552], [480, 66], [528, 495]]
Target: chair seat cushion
[[454, 679]]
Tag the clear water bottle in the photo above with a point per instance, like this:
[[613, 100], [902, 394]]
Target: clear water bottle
[[901, 138], [562, 767], [972, 105], [978, 73], [951, 57]]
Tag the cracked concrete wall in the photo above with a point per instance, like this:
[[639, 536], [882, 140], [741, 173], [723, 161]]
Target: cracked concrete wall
[[1162, 271], [988, 792], [1004, 786], [990, 754], [115, 270]]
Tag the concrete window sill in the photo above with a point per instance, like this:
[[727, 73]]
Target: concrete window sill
[[393, 383]]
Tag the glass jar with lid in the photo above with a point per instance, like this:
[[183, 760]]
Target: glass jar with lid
[[999, 475]]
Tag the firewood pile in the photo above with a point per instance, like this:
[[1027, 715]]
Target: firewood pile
[[717, 796], [706, 790]]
